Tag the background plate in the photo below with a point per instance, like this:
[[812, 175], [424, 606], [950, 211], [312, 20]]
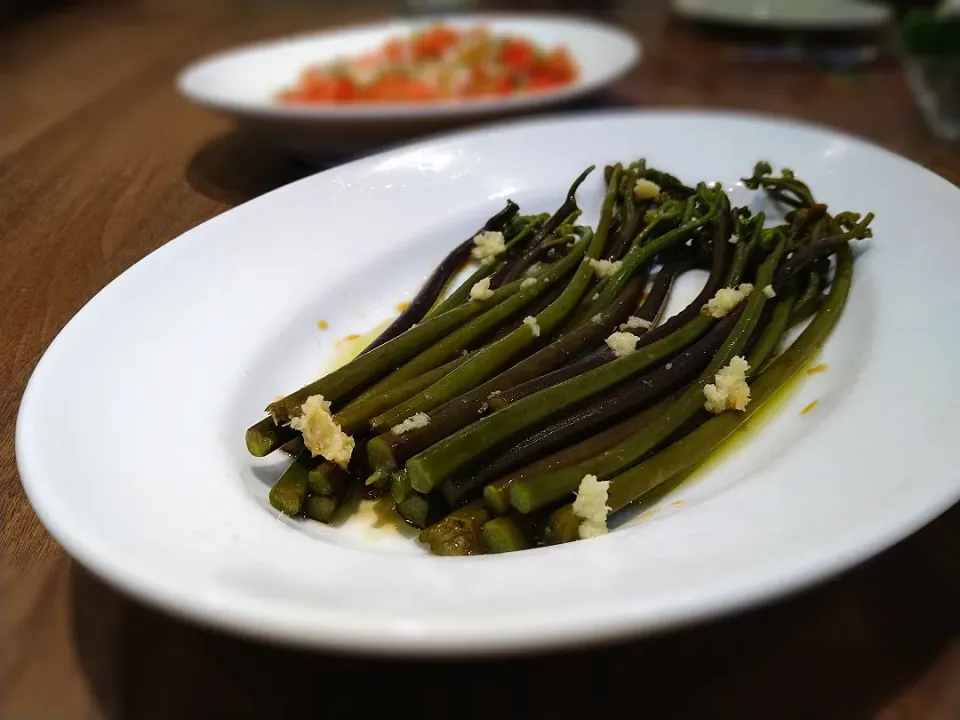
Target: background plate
[[787, 14], [244, 81]]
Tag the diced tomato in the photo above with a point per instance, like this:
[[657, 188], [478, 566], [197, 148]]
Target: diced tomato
[[517, 53], [541, 80], [493, 85], [394, 50], [503, 86], [417, 90], [386, 88], [560, 65], [394, 87], [478, 81], [441, 63], [324, 89], [434, 42]]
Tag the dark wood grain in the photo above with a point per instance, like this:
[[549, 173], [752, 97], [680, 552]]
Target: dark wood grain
[[103, 162]]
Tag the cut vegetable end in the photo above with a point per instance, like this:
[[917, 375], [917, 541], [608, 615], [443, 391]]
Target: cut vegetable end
[[285, 499], [260, 444], [380, 456], [497, 496], [319, 508], [417, 511], [564, 526], [400, 488], [522, 499], [530, 494], [325, 480], [501, 535], [420, 480], [378, 477]]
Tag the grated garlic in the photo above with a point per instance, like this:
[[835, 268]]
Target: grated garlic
[[322, 436], [726, 300], [729, 391], [591, 507], [413, 422], [645, 189], [622, 343], [635, 323], [531, 321], [605, 268], [481, 290], [487, 245]]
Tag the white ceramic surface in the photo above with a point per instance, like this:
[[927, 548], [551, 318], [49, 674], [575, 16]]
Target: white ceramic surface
[[243, 82], [130, 434], [787, 14]]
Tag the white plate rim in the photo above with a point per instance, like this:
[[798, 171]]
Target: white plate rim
[[872, 17], [355, 639], [387, 112]]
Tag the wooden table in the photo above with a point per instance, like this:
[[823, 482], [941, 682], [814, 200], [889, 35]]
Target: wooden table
[[104, 162]]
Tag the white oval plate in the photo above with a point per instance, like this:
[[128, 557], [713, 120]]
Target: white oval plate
[[130, 434], [244, 81], [787, 14]]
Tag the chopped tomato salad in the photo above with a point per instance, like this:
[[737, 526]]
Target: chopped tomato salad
[[440, 63]]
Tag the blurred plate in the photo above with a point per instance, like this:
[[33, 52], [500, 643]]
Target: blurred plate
[[130, 441], [244, 81], [786, 14]]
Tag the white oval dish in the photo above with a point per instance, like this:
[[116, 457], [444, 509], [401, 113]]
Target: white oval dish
[[787, 14], [130, 434], [243, 82]]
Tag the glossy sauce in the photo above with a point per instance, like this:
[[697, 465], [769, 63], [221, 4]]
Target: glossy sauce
[[744, 434], [346, 349], [377, 517]]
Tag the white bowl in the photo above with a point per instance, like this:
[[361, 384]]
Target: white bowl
[[243, 82]]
